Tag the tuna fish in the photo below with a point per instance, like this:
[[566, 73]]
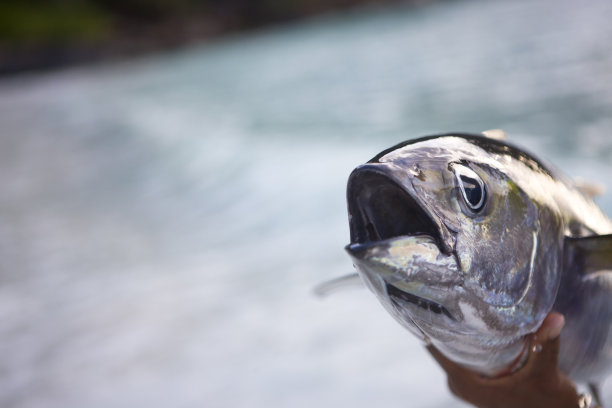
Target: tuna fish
[[469, 242]]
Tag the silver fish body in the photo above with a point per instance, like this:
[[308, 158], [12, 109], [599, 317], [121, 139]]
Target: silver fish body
[[470, 242]]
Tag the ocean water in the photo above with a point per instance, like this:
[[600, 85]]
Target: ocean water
[[163, 221]]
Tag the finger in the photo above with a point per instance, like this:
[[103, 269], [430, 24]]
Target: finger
[[468, 392], [445, 363], [551, 327]]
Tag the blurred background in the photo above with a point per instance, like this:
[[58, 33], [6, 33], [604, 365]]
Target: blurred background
[[172, 181]]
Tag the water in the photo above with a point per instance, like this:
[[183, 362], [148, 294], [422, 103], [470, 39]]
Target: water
[[163, 221]]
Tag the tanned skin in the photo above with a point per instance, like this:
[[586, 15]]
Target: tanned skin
[[538, 384]]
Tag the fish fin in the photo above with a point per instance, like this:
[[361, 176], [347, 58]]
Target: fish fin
[[594, 389], [325, 288], [592, 255], [496, 134], [590, 188]]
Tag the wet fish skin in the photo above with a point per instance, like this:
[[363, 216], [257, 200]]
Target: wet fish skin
[[498, 271]]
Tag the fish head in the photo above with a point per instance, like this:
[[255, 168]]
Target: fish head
[[450, 243]]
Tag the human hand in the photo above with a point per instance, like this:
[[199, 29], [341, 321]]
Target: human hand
[[538, 384]]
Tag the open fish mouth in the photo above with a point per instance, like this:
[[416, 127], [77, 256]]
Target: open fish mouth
[[380, 209], [389, 228], [398, 296]]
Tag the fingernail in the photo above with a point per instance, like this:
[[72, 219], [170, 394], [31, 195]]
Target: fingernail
[[555, 324]]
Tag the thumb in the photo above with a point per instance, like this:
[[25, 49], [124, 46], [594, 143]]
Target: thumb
[[551, 327]]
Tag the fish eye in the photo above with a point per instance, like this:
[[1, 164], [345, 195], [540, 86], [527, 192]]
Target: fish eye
[[471, 186]]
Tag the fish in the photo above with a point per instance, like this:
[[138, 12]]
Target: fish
[[469, 241]]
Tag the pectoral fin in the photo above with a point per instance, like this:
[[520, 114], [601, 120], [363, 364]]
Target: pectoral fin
[[327, 287], [591, 255]]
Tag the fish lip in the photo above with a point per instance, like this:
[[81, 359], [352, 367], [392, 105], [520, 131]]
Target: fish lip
[[361, 250], [396, 295], [382, 206]]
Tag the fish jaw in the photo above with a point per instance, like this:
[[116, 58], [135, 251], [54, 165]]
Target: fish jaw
[[417, 284], [423, 289], [407, 262], [403, 252]]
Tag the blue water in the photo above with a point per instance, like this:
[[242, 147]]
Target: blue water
[[164, 220]]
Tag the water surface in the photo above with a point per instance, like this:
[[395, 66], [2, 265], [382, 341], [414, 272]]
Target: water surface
[[164, 220]]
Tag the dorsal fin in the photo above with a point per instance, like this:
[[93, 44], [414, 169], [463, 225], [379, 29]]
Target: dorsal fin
[[496, 134], [591, 255]]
